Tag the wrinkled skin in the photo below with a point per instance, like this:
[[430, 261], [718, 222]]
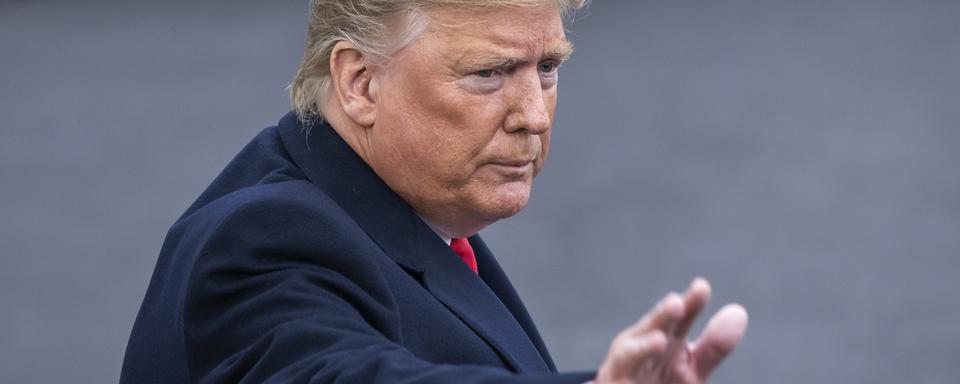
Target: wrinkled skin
[[458, 122]]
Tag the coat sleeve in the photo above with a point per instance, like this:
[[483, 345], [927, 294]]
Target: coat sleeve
[[278, 294]]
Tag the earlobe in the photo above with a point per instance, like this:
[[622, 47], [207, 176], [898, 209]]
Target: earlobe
[[352, 82]]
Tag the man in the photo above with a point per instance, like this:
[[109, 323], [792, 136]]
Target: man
[[341, 246]]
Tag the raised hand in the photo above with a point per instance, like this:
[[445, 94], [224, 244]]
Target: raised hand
[[656, 350]]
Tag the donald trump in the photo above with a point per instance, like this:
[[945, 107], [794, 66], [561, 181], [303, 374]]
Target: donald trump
[[342, 245]]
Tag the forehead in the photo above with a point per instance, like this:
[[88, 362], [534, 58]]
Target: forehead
[[520, 32]]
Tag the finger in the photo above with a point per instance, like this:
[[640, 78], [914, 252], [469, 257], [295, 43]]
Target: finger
[[694, 299], [662, 316], [632, 350], [630, 354], [721, 335]]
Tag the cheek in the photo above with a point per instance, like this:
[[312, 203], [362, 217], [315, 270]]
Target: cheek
[[413, 121], [544, 151], [551, 101], [544, 146], [464, 130], [439, 149]]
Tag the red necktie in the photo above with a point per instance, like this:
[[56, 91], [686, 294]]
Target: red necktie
[[465, 251]]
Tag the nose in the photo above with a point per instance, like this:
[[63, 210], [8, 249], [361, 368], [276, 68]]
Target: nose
[[531, 106]]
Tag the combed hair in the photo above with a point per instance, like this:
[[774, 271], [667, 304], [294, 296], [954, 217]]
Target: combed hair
[[378, 28]]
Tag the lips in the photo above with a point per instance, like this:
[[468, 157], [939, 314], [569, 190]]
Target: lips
[[512, 163], [512, 169]]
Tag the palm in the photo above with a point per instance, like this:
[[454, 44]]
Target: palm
[[655, 350]]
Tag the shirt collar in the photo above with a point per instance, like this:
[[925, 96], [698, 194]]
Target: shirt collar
[[443, 235]]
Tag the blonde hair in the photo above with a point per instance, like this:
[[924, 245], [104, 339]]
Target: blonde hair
[[378, 28]]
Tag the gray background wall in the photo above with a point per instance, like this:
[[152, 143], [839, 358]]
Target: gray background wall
[[800, 154]]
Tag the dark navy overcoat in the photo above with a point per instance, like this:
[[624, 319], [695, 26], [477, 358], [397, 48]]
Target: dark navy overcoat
[[299, 265]]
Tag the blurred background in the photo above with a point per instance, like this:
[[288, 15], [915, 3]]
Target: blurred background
[[802, 155]]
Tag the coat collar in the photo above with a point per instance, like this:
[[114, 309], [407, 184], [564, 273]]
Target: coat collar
[[330, 164]]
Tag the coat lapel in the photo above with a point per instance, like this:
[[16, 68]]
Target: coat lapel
[[338, 171], [468, 296], [498, 282]]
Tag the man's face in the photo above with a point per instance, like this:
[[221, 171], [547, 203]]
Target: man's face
[[464, 113]]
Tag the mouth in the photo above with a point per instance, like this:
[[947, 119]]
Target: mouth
[[511, 168], [520, 163]]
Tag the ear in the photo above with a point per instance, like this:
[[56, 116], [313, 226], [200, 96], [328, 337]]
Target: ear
[[351, 78]]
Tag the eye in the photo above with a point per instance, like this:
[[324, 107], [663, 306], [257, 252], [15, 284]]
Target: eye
[[486, 73], [484, 81], [547, 67], [548, 73]]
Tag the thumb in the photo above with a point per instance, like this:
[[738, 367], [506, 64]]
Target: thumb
[[721, 335]]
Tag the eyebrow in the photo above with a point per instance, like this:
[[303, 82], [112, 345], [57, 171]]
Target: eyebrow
[[559, 52]]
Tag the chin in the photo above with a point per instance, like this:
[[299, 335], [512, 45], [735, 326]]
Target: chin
[[507, 200]]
